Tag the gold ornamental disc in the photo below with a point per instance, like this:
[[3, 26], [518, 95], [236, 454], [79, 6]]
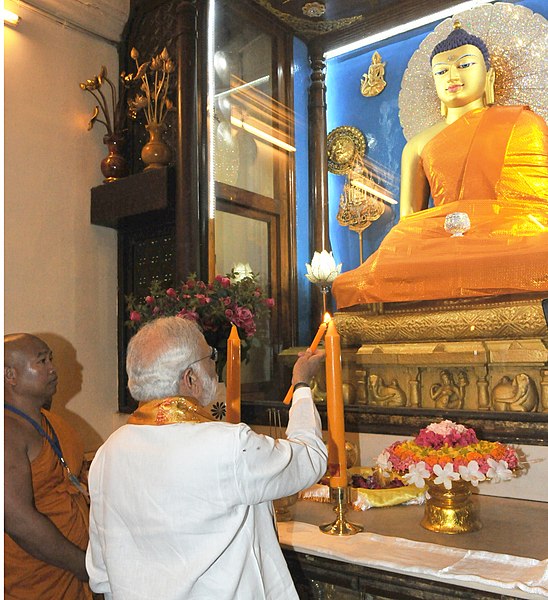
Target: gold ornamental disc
[[344, 144]]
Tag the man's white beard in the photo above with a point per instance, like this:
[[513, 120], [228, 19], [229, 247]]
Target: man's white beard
[[209, 387]]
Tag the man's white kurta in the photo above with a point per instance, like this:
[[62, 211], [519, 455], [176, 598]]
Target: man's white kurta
[[184, 512]]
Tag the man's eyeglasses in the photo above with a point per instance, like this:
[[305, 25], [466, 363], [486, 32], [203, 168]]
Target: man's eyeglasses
[[214, 355]]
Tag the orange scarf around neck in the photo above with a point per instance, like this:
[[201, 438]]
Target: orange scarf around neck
[[166, 411]]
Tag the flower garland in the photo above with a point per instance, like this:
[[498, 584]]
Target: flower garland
[[446, 452]]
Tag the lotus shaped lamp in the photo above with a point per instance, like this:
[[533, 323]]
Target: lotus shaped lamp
[[323, 269]]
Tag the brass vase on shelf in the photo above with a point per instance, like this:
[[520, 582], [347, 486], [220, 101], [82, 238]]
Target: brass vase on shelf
[[114, 165], [110, 111], [450, 511], [155, 153]]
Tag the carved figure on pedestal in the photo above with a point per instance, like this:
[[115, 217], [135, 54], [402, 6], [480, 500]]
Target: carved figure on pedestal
[[386, 395], [518, 394], [449, 394]]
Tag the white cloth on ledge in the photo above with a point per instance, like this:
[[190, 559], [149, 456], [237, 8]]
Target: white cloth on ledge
[[506, 571], [421, 558]]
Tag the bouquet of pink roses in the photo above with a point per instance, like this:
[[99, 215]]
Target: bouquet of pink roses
[[445, 452]]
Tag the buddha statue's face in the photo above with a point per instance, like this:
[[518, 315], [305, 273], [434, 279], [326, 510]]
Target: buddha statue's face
[[460, 75]]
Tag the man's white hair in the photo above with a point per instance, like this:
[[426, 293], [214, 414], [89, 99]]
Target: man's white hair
[[158, 354]]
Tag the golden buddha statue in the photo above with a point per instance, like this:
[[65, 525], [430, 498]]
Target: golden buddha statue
[[490, 162]]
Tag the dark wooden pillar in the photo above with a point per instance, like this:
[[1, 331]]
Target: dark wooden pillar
[[317, 136], [187, 213]]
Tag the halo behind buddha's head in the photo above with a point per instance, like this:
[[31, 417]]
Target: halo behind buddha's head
[[516, 38], [460, 37]]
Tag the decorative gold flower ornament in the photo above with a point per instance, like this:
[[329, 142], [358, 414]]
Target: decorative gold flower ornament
[[154, 76], [110, 110]]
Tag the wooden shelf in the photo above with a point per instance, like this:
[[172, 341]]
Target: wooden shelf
[[137, 195]]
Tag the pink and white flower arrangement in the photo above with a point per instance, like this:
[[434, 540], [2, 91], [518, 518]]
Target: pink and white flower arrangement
[[228, 299], [446, 452]]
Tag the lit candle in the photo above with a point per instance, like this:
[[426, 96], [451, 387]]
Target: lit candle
[[233, 387], [313, 346], [336, 461]]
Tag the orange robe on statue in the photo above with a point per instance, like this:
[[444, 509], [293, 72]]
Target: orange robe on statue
[[26, 577], [492, 163]]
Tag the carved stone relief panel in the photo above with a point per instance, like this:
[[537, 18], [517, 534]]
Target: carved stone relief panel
[[472, 375]]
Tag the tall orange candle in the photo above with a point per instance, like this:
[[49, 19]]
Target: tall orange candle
[[233, 386], [336, 461], [313, 346]]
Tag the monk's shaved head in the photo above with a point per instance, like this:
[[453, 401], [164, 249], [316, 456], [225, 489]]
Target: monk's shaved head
[[30, 378], [17, 345]]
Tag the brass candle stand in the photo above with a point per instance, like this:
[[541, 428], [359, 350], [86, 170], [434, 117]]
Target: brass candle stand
[[340, 526]]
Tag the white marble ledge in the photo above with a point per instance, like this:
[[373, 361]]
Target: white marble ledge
[[499, 573]]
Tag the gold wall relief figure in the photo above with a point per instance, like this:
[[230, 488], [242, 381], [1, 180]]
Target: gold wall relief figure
[[318, 387], [517, 394], [372, 82], [447, 393], [386, 395]]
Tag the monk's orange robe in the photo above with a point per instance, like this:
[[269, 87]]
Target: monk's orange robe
[[492, 164], [26, 577]]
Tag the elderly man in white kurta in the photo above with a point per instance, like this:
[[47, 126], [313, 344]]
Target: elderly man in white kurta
[[181, 506]]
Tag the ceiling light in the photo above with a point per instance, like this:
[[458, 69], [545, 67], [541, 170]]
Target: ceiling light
[[383, 35], [10, 18]]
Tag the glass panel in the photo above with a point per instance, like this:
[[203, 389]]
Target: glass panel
[[243, 107], [241, 240]]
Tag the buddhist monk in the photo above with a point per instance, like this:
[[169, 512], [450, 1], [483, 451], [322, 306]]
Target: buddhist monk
[[46, 513], [490, 162]]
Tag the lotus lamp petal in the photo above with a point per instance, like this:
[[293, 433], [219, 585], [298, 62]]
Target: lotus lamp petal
[[323, 269]]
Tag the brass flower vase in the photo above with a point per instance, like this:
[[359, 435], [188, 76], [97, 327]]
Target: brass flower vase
[[114, 165], [155, 153], [450, 511]]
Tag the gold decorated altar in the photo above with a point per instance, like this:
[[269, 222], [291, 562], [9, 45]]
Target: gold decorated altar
[[479, 361], [476, 355]]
